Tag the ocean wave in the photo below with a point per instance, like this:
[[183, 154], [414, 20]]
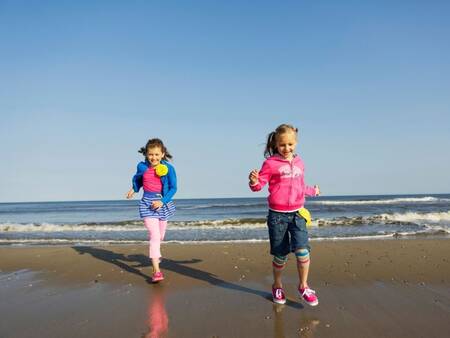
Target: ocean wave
[[400, 200], [132, 225], [48, 227], [224, 205], [417, 217], [57, 241], [407, 218], [224, 223]]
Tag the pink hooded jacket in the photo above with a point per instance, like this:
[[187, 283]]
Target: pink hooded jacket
[[287, 188]]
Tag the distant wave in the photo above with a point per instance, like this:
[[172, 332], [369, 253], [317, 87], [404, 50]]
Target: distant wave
[[223, 205], [385, 201]]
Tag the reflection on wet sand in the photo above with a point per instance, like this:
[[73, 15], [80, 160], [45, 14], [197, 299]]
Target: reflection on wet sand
[[158, 321], [306, 326]]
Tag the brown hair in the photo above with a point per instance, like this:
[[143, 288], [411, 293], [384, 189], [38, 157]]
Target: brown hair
[[156, 142], [271, 145]]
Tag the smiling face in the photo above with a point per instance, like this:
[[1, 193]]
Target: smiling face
[[154, 155], [286, 144]]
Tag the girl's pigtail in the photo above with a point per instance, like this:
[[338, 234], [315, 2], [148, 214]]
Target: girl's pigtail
[[167, 155], [142, 150], [271, 145]]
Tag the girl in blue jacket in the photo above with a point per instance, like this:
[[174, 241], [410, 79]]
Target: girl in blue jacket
[[158, 179]]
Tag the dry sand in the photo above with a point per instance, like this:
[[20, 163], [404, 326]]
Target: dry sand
[[373, 288]]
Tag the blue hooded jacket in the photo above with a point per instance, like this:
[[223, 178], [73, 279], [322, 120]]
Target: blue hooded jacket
[[169, 181]]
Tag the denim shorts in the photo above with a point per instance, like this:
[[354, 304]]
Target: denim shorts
[[287, 232]]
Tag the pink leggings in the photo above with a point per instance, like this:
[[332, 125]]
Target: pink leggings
[[156, 231]]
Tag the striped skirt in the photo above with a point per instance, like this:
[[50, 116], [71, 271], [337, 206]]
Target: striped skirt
[[145, 207]]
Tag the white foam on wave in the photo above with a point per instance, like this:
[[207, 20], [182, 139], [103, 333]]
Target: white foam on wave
[[68, 242], [222, 227], [48, 227], [100, 242], [421, 219], [386, 201], [24, 242], [436, 228], [230, 223], [228, 241], [367, 237], [173, 225], [417, 217]]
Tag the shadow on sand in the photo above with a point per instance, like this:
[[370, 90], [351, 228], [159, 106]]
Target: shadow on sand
[[132, 263]]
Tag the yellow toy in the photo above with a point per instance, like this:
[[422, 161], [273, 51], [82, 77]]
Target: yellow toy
[[303, 212], [161, 170]]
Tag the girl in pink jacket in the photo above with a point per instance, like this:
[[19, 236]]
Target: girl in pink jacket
[[283, 169]]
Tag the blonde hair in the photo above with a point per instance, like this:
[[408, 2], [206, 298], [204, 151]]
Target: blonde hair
[[271, 145]]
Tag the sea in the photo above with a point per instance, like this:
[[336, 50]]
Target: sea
[[222, 220]]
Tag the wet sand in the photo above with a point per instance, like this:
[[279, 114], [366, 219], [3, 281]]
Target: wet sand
[[374, 288]]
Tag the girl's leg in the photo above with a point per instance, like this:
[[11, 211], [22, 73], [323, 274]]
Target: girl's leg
[[301, 244], [303, 261], [278, 264], [162, 229], [152, 225], [279, 248], [279, 244], [308, 295]]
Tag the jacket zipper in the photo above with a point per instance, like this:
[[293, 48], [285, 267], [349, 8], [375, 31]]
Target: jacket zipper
[[290, 185]]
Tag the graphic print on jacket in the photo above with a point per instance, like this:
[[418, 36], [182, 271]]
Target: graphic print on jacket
[[286, 171]]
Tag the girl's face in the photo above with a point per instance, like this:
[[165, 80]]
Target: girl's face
[[154, 155], [286, 144]]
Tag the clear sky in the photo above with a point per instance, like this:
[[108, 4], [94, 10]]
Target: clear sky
[[84, 84]]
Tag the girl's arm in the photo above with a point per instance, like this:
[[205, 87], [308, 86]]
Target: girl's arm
[[172, 181], [130, 193], [137, 178], [312, 191], [262, 177]]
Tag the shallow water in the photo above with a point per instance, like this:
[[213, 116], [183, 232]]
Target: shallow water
[[230, 219]]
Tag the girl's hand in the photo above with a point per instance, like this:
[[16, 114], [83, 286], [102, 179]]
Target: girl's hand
[[130, 193], [317, 190], [157, 204], [253, 177]]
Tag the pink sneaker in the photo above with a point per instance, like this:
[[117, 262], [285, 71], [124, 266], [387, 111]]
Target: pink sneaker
[[157, 276], [278, 295], [309, 296]]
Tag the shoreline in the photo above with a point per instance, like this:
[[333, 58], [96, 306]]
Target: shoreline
[[366, 288], [69, 243]]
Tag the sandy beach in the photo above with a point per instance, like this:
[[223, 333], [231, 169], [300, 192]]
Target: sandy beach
[[373, 288]]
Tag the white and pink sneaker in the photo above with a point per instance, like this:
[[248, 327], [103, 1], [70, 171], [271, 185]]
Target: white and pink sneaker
[[157, 276], [309, 296], [278, 295]]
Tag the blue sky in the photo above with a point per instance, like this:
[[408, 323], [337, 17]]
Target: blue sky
[[84, 84]]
